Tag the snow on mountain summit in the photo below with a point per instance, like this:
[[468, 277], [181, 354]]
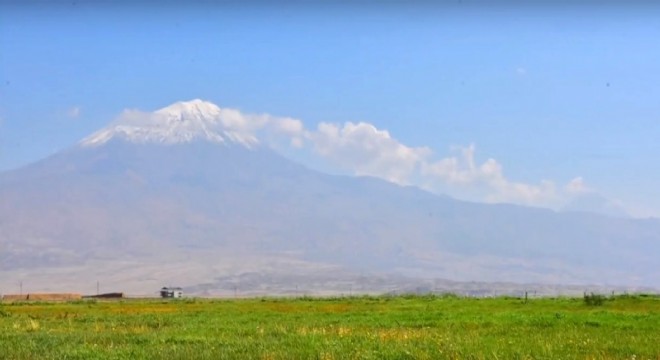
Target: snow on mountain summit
[[188, 110], [181, 122]]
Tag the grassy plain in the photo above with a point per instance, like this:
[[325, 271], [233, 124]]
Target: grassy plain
[[403, 327]]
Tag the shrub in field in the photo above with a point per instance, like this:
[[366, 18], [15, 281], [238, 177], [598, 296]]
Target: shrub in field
[[3, 313], [449, 295], [594, 299]]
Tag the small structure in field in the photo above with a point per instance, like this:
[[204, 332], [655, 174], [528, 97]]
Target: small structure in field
[[114, 295], [171, 292]]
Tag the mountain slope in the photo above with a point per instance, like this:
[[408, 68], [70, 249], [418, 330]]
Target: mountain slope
[[148, 198]]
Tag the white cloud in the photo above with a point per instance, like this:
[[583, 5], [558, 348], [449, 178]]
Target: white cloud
[[363, 149], [74, 112], [235, 120], [577, 186], [487, 179], [289, 126], [134, 117], [297, 142], [366, 150], [457, 169], [521, 71]]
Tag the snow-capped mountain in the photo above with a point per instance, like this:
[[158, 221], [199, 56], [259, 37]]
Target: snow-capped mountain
[[180, 122], [189, 184]]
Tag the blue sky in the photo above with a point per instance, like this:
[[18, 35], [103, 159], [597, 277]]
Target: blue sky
[[550, 92]]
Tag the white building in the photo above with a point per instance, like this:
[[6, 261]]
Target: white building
[[171, 292]]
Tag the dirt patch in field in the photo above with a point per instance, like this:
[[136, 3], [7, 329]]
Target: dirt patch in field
[[54, 297], [43, 297], [283, 308], [337, 308]]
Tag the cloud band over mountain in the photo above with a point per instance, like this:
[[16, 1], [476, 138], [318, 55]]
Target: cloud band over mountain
[[357, 147]]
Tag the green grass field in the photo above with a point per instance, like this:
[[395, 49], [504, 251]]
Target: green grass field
[[404, 327]]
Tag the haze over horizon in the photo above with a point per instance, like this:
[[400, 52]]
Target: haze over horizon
[[533, 105]]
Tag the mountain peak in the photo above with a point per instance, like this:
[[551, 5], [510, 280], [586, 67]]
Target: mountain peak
[[190, 110], [181, 122]]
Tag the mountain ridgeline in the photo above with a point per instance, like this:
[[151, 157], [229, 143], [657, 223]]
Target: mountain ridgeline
[[180, 184]]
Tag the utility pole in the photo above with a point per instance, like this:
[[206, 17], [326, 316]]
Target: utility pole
[[21, 284], [97, 287]]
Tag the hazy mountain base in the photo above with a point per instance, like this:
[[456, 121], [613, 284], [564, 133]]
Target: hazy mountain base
[[139, 216], [204, 273]]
